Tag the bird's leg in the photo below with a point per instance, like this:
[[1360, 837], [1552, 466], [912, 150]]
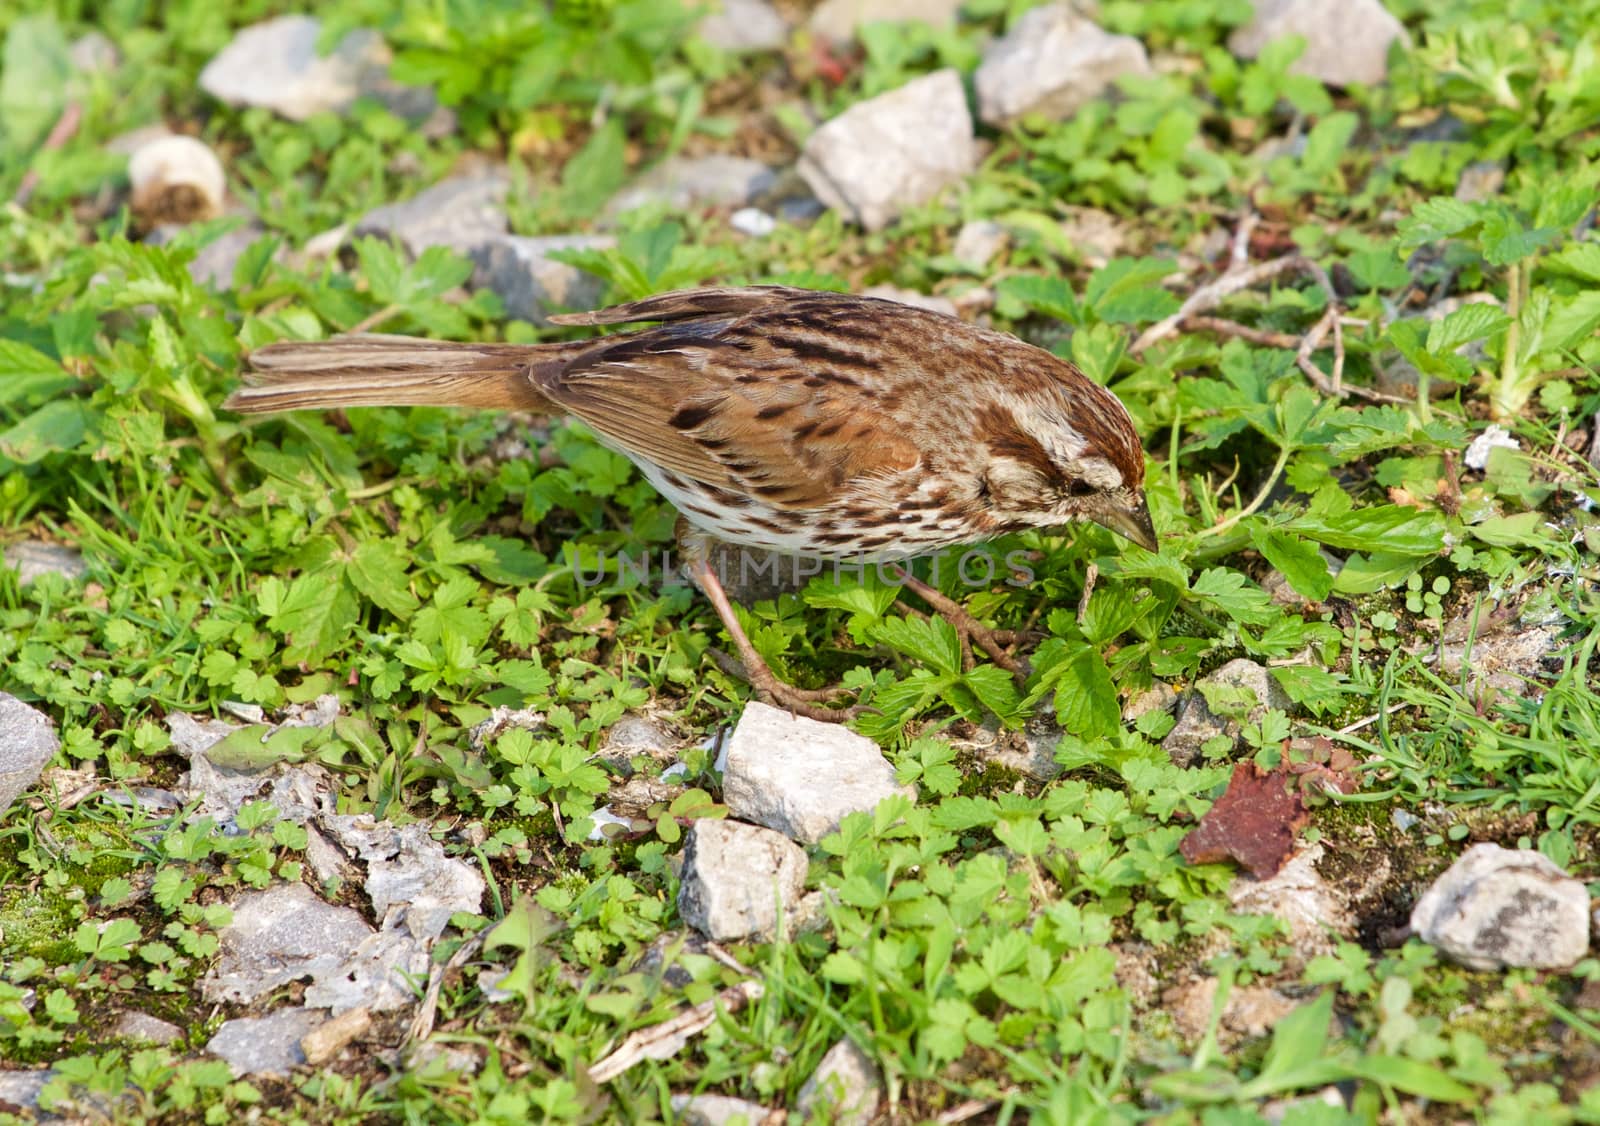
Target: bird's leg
[[800, 701], [968, 628]]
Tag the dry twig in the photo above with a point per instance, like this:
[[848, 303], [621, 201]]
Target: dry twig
[[663, 1041], [1241, 276]]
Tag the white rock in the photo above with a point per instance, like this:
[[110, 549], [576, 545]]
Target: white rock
[[280, 935], [268, 1045], [716, 1110], [1301, 898], [32, 558], [739, 881], [1051, 63], [752, 221], [1347, 41], [1498, 907], [602, 818], [27, 744], [893, 151], [932, 303], [1494, 437], [801, 776], [276, 65], [463, 213], [745, 25], [845, 1088], [978, 242], [176, 179], [841, 20], [682, 182], [531, 283]]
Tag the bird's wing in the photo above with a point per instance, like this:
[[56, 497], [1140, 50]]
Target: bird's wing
[[740, 392]]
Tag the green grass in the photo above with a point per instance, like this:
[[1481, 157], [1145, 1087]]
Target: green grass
[[1003, 939]]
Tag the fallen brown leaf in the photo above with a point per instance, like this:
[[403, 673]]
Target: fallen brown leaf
[[1254, 822]]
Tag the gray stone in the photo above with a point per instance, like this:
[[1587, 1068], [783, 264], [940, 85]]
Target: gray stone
[[279, 935], [1498, 907], [978, 242], [1098, 236], [844, 1090], [268, 1045], [928, 301], [464, 213], [1480, 180], [801, 776], [842, 20], [1198, 724], [739, 881], [1052, 62], [533, 285], [33, 558], [413, 884], [1159, 697], [276, 65], [93, 53], [21, 1088], [27, 744], [1347, 41], [134, 1025], [745, 25], [637, 734], [716, 1110], [682, 182], [893, 151], [213, 264]]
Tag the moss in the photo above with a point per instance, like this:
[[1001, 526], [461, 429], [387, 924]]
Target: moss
[[37, 924]]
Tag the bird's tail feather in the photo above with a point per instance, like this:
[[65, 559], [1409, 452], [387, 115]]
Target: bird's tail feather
[[389, 371]]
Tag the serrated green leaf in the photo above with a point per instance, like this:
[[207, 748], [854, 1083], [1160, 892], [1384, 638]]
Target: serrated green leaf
[[1399, 528], [1366, 574], [1085, 698], [316, 613], [1572, 320], [57, 426], [931, 640], [1438, 218], [27, 373], [1127, 290], [378, 569], [1468, 323], [1052, 296], [1235, 595], [1296, 559]]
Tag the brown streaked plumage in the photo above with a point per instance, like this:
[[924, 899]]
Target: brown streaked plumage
[[812, 423]]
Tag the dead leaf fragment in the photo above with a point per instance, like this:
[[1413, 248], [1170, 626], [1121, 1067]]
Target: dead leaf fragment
[[1254, 822]]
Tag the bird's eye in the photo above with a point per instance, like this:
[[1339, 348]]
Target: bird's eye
[[1080, 488]]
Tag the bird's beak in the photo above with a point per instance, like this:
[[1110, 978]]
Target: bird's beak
[[1132, 523]]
